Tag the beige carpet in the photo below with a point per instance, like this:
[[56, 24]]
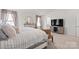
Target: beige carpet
[[50, 44], [63, 42]]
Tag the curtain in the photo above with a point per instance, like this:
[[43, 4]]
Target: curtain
[[14, 15], [38, 21], [4, 16]]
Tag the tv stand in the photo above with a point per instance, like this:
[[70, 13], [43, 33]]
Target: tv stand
[[57, 26], [57, 29]]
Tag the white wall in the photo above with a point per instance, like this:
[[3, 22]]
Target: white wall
[[70, 17], [69, 20], [22, 17]]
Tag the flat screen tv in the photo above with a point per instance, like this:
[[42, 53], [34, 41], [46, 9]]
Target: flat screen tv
[[57, 22], [53, 22], [60, 22]]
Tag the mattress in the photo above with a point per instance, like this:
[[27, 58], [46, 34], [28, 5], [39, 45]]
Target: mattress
[[26, 38]]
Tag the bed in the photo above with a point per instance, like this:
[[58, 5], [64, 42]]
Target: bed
[[62, 41], [27, 38]]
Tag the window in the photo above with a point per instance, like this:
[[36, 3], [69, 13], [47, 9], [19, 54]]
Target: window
[[38, 21], [10, 19], [29, 20]]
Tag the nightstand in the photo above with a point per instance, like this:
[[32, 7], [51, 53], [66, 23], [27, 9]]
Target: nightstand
[[48, 31]]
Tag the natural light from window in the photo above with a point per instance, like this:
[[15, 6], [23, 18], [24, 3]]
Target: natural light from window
[[38, 21], [10, 20]]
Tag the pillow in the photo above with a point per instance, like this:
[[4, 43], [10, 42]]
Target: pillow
[[3, 36], [9, 30], [17, 29]]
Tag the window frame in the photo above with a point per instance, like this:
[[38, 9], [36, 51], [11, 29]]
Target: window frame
[[10, 21], [38, 25]]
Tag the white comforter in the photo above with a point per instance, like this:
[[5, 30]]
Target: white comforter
[[25, 39]]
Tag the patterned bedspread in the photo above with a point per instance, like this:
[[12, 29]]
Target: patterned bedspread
[[26, 38]]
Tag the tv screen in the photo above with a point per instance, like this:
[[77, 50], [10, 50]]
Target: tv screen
[[60, 22], [53, 22], [57, 22]]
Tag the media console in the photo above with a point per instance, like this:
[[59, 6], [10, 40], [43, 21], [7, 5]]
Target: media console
[[57, 26]]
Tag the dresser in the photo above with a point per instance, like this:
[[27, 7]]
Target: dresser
[[57, 29]]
